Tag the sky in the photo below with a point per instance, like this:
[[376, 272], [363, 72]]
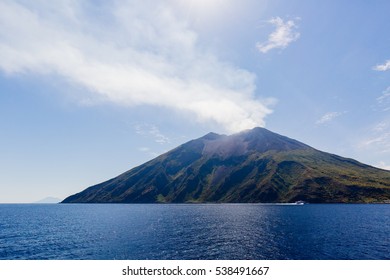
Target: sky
[[90, 89]]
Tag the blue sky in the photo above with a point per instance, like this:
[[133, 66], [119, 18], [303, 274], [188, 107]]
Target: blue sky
[[90, 89]]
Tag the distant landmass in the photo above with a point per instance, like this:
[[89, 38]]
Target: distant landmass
[[254, 166], [49, 199]]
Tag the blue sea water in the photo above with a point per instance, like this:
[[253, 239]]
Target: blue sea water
[[200, 231]]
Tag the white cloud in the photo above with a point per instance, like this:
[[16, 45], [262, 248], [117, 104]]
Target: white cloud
[[131, 53], [382, 67], [328, 117], [284, 34]]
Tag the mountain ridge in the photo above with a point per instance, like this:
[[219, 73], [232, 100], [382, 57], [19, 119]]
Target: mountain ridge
[[254, 165]]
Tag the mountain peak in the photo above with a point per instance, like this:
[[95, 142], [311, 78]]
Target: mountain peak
[[212, 136], [261, 140], [255, 130]]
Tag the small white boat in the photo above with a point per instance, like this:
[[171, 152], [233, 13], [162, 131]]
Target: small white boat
[[300, 202]]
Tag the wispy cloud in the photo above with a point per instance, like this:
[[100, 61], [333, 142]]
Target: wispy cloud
[[382, 67], [284, 34], [379, 138], [148, 151], [381, 142], [382, 139], [328, 117], [383, 101], [132, 53], [382, 126], [151, 131]]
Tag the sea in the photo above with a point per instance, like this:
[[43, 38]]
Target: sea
[[195, 231]]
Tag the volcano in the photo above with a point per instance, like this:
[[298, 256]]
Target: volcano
[[253, 166]]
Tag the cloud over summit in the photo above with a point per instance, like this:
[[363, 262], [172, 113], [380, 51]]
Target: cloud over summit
[[132, 54]]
